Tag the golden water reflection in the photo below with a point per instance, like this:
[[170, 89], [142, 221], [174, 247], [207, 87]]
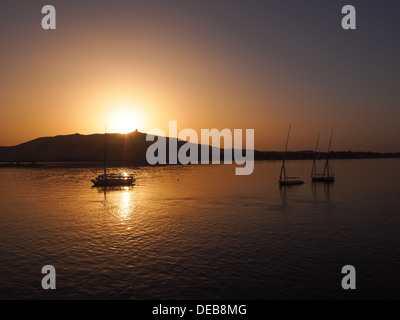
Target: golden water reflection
[[126, 206], [120, 202]]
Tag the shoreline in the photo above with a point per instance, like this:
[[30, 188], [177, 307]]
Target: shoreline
[[119, 164]]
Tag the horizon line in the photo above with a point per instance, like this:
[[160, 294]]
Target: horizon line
[[137, 131]]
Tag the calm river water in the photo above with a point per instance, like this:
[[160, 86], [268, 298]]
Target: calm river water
[[200, 232]]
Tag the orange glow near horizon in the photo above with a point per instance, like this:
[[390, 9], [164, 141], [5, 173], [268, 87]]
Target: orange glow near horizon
[[138, 65], [124, 118]]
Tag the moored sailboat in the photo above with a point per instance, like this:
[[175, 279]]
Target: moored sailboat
[[112, 179], [327, 175], [284, 180]]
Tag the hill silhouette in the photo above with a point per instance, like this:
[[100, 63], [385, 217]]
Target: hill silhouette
[[76, 147], [126, 148]]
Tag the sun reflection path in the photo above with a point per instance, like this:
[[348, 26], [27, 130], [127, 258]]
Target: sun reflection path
[[126, 206]]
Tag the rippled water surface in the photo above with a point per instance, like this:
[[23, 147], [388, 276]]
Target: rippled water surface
[[200, 232]]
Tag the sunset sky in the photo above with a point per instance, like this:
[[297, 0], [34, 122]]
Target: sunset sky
[[207, 64]]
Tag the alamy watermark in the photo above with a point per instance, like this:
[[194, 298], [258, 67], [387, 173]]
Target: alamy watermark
[[349, 280], [194, 153], [348, 21], [49, 280]]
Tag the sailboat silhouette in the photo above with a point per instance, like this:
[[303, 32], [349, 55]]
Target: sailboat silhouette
[[112, 179], [327, 175], [284, 180]]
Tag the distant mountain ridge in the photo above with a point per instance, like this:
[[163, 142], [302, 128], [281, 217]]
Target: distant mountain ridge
[[132, 148], [129, 148]]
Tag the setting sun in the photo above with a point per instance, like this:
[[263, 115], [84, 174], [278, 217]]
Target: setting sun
[[124, 119]]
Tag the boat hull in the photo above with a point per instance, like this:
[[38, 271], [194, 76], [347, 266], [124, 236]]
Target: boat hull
[[113, 180], [286, 183], [112, 183], [323, 179]]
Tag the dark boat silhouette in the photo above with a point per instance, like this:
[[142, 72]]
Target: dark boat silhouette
[[112, 179], [284, 180], [326, 176]]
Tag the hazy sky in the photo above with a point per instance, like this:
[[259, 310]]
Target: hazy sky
[[207, 64]]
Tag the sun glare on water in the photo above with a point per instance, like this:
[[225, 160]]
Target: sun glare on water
[[124, 119]]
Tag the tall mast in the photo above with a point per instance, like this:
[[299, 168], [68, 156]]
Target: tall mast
[[313, 170], [283, 169], [326, 169], [105, 150]]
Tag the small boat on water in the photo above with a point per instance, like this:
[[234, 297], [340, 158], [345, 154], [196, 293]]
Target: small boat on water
[[326, 176], [112, 179], [284, 180], [290, 181]]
